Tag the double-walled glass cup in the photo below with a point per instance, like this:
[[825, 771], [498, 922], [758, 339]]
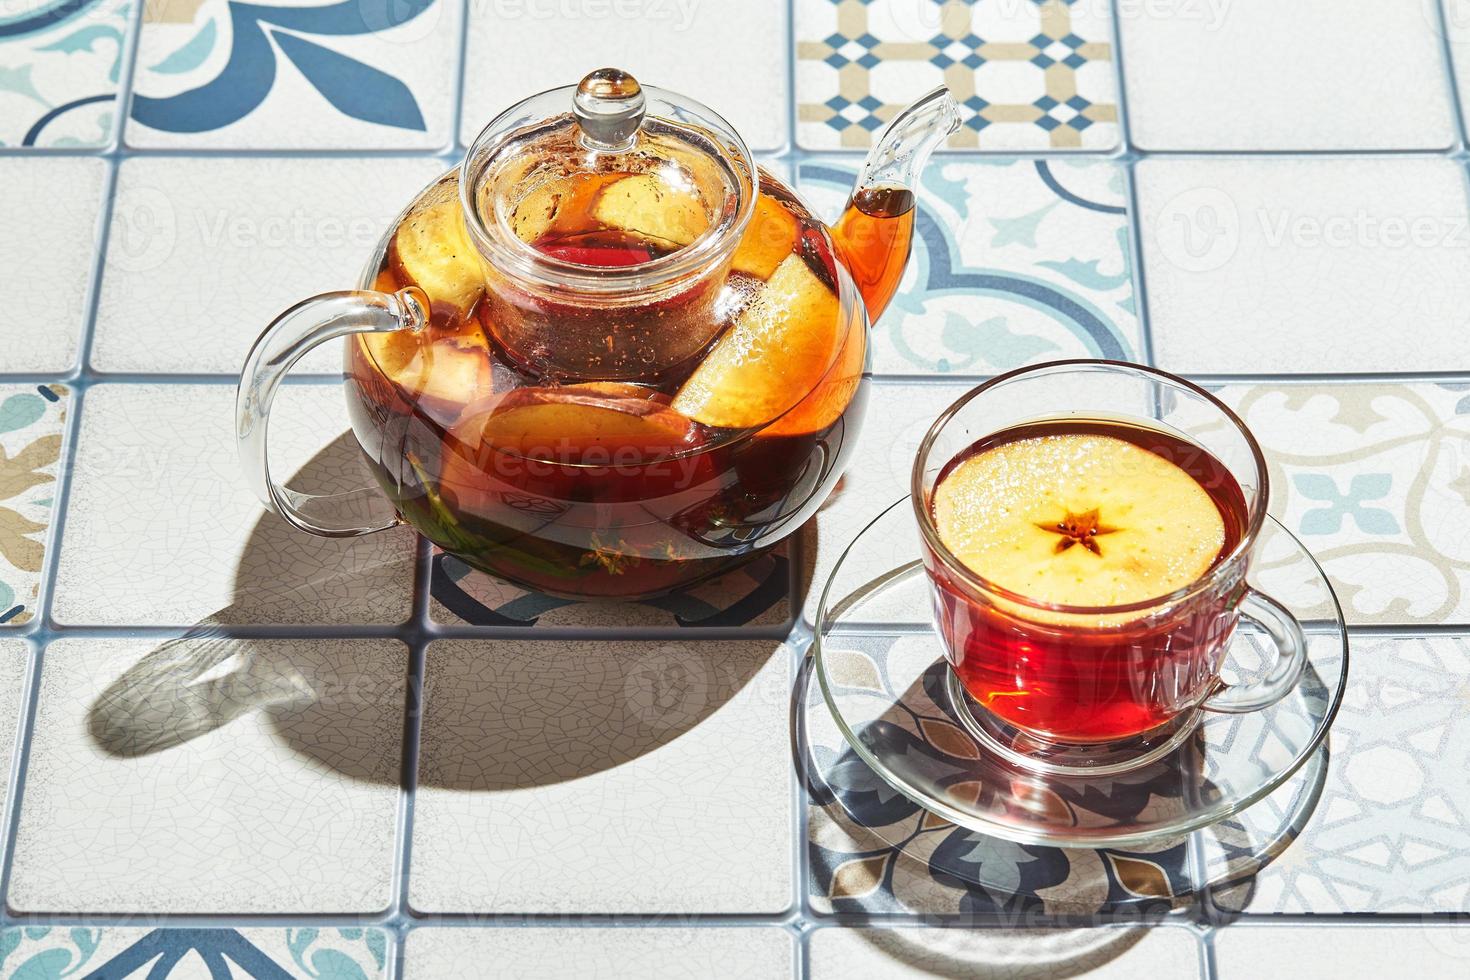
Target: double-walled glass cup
[[1065, 688]]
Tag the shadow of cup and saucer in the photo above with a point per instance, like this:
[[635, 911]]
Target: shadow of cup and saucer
[[913, 810]]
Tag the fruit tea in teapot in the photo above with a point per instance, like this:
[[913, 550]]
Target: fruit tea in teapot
[[609, 355]]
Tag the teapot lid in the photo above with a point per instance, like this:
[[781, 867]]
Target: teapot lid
[[636, 165]]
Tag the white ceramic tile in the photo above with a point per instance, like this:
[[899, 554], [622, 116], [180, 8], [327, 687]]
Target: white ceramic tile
[[212, 775], [32, 424], [47, 243], [668, 953], [1320, 265], [1387, 834], [59, 68], [161, 527], [1014, 262], [896, 420], [596, 776], [899, 954], [13, 658], [731, 57], [205, 252], [1374, 481], [1306, 75], [213, 73], [1427, 952], [1027, 76]]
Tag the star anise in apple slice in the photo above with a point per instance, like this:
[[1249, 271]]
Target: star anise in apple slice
[[1083, 529]]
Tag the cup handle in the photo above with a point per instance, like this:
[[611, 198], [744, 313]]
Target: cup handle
[[1291, 657], [279, 347]]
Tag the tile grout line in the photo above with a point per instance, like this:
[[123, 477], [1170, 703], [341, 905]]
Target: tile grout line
[[800, 967], [1451, 73], [41, 632], [418, 631]]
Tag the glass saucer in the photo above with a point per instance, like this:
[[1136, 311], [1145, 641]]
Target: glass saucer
[[882, 673]]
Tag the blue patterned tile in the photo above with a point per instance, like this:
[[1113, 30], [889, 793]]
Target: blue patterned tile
[[295, 75], [757, 594], [122, 953], [1014, 262], [60, 61], [1388, 833]]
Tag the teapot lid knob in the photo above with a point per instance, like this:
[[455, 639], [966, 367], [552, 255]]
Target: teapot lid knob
[[609, 105]]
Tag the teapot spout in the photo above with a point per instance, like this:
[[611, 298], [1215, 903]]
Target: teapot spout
[[876, 231], [906, 142]]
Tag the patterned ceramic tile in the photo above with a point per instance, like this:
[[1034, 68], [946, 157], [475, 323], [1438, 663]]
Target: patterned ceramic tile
[[212, 775], [599, 954], [59, 67], [596, 776], [1388, 833], [295, 74], [897, 418], [900, 954], [162, 529], [31, 421], [731, 57], [1349, 950], [1375, 481], [872, 850], [1014, 262], [240, 240], [183, 954], [14, 655], [1235, 75], [47, 243], [1305, 264], [1029, 75], [754, 595]]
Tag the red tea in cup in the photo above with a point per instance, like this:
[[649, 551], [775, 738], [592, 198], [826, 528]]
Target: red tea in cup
[[1086, 513]]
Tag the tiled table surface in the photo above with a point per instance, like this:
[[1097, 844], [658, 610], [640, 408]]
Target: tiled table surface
[[329, 759]]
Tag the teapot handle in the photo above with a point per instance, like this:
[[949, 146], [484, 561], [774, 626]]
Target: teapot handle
[[286, 341]]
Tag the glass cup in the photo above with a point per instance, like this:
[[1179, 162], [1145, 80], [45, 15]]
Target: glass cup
[[1097, 689]]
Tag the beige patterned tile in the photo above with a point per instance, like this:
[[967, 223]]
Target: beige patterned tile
[[212, 775], [1028, 76], [1375, 481], [47, 243], [32, 424], [666, 953], [162, 529], [597, 776], [1106, 952]]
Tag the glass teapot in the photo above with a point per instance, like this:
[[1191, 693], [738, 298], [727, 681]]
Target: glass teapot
[[608, 355]]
